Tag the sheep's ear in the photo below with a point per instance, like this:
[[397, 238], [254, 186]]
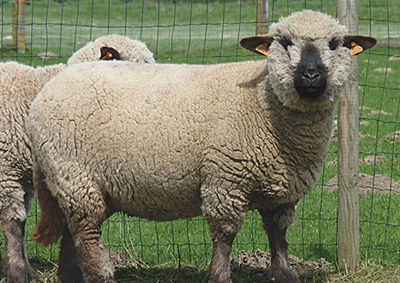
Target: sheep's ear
[[109, 53], [258, 44], [358, 43]]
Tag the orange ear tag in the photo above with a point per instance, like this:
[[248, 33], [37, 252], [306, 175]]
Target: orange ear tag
[[107, 57], [263, 49], [109, 53], [355, 49]]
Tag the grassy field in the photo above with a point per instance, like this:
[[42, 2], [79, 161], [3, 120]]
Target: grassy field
[[181, 32], [204, 33]]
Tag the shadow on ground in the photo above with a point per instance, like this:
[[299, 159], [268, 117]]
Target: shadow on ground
[[246, 268]]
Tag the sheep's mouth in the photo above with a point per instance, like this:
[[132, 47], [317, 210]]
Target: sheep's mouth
[[310, 91], [310, 82]]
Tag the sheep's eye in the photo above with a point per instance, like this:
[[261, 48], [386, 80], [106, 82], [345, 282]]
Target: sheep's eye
[[333, 44], [286, 43]]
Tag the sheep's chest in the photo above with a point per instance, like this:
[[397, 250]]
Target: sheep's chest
[[288, 183], [300, 144]]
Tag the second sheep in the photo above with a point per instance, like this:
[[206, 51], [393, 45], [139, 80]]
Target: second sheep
[[19, 85]]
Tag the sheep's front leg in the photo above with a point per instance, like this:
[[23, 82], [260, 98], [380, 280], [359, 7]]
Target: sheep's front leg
[[17, 267], [219, 271], [224, 208], [276, 222]]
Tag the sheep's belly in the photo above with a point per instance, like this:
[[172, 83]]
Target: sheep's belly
[[159, 202]]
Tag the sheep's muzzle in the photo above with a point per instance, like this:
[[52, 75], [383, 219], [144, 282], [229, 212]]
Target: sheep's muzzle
[[310, 77]]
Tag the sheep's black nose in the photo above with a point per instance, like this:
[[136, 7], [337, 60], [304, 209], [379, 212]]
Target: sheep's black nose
[[311, 73]]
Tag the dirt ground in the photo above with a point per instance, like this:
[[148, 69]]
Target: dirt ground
[[246, 267], [308, 271], [370, 184]]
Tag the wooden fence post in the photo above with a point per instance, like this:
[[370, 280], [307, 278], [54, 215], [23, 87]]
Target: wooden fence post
[[18, 31], [348, 154], [262, 17]]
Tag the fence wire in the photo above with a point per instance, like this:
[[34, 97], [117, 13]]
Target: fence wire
[[205, 32]]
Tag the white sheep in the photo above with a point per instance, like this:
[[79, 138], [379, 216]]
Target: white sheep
[[128, 50], [167, 141], [19, 85]]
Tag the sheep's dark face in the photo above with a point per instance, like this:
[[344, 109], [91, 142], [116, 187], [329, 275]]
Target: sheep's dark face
[[310, 76], [309, 59]]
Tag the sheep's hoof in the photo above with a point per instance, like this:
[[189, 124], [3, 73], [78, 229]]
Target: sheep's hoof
[[26, 279], [207, 279], [285, 276], [71, 274], [217, 281], [27, 276]]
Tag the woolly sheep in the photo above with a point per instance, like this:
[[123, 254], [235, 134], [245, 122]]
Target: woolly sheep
[[128, 50], [164, 142], [19, 85]]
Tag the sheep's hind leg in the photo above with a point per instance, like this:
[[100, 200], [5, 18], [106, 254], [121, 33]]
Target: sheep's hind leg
[[95, 259], [219, 271], [70, 267], [275, 224], [17, 267]]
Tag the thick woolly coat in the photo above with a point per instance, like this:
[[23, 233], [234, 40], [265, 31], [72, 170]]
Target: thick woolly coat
[[170, 141], [19, 85]]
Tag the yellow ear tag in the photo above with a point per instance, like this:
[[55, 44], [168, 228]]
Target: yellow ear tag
[[263, 49], [355, 49]]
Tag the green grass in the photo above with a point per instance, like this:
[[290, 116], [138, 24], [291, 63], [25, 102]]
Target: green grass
[[205, 33]]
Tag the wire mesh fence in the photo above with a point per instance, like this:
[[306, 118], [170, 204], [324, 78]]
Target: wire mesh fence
[[205, 32]]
